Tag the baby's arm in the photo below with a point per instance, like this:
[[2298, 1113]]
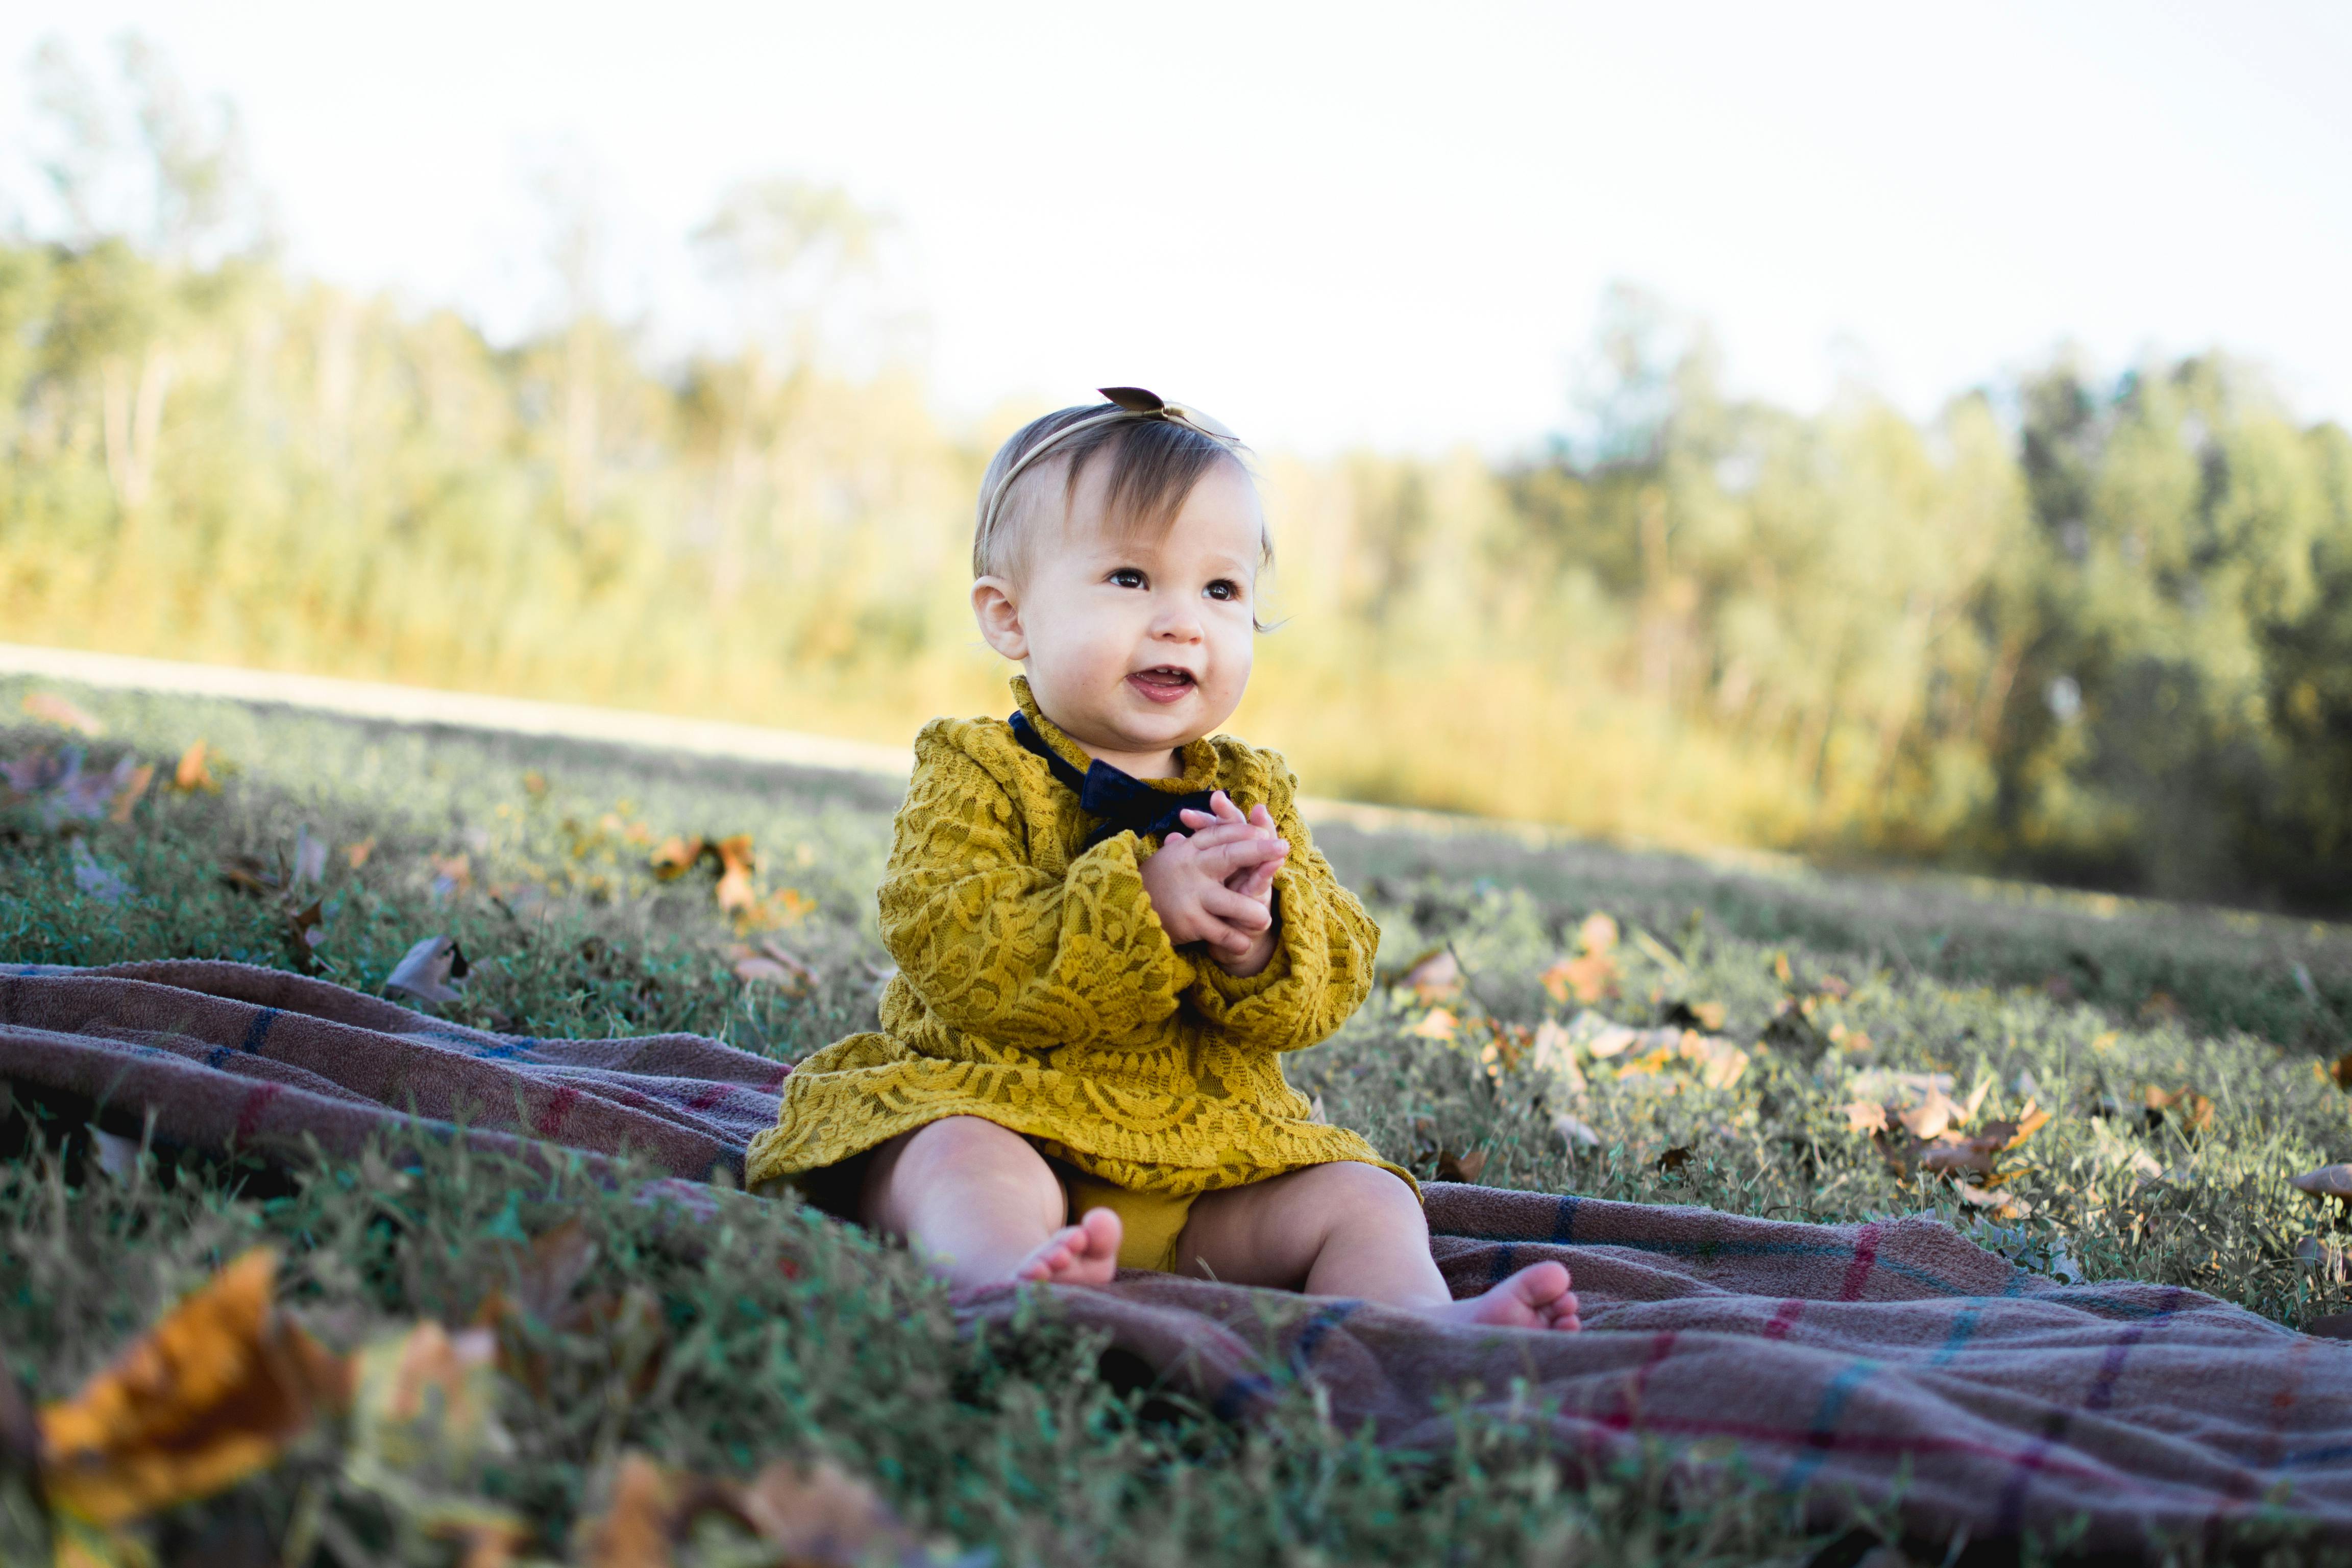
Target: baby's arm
[[1320, 968], [998, 947]]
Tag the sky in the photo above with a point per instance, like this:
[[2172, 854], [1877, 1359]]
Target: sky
[[1333, 224]]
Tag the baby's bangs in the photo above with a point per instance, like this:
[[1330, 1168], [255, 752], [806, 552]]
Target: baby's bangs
[[1154, 466]]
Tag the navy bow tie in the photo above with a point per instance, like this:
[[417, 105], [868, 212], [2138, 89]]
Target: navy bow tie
[[1125, 802]]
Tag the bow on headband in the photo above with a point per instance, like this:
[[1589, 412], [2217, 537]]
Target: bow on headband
[[1128, 402]]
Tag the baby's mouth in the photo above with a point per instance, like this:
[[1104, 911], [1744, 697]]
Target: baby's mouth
[[1162, 683]]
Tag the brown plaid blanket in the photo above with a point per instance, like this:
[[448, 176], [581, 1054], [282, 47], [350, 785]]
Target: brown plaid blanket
[[1895, 1365]]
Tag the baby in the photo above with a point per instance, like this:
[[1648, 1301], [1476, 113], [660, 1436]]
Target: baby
[[1109, 922]]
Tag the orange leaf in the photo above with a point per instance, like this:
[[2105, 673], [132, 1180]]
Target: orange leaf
[[1464, 1168], [735, 867], [133, 786], [194, 772], [215, 1391], [677, 856], [52, 709], [1439, 1025]]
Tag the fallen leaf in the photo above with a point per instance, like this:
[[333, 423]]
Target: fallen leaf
[[735, 867], [1464, 1168], [305, 930], [811, 1516], [1598, 933], [432, 973], [1780, 970], [451, 873], [786, 908], [1435, 978], [1588, 977], [534, 782], [1439, 1025], [51, 709], [1865, 1116], [193, 771], [641, 1520], [763, 969], [1935, 1112], [248, 874], [213, 1392], [356, 855], [676, 858], [1551, 1053], [127, 794], [1610, 1040], [2194, 1109], [821, 1514]]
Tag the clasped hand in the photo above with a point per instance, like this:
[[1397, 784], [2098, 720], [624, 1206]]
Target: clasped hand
[[1215, 883]]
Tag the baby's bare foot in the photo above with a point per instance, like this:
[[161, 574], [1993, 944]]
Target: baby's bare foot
[[1085, 1252], [1536, 1296]]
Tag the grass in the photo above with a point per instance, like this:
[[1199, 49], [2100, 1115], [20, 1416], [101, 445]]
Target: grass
[[534, 855]]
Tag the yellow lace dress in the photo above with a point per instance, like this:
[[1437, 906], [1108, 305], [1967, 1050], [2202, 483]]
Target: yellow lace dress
[[1038, 990]]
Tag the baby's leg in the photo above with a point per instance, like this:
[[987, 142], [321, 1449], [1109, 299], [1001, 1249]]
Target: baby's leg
[[1352, 1229], [982, 1207]]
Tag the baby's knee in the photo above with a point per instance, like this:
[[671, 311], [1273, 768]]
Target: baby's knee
[[969, 1149], [1357, 1186]]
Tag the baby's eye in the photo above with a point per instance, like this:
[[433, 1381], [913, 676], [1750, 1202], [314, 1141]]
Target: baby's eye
[[1126, 577], [1224, 588]]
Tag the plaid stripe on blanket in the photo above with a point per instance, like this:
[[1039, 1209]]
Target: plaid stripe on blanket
[[1895, 1364]]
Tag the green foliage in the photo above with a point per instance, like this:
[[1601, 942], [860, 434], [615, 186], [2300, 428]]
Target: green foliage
[[787, 1334]]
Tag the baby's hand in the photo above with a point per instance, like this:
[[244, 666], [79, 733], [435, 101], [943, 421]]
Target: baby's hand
[[1192, 885], [1257, 882]]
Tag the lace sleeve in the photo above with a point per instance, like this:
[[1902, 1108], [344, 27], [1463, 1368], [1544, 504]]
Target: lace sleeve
[[995, 946]]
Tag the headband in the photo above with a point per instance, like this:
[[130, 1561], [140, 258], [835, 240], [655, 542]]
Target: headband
[[1132, 404]]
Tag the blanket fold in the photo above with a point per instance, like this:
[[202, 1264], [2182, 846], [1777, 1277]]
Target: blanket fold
[[1895, 1364]]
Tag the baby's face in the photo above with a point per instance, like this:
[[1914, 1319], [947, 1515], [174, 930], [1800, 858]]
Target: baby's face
[[1135, 647]]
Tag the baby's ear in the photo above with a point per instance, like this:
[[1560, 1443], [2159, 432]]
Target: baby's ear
[[999, 616]]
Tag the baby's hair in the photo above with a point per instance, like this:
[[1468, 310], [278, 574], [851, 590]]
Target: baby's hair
[[1155, 464]]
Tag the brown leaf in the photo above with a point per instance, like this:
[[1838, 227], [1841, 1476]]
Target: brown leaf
[[1934, 1113], [2194, 1111], [213, 1392], [431, 974], [1436, 977], [193, 771], [769, 964], [356, 855], [735, 867], [1464, 1168], [813, 1516], [250, 874], [821, 1515], [1866, 1116], [129, 792], [51, 709], [677, 856], [305, 930]]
